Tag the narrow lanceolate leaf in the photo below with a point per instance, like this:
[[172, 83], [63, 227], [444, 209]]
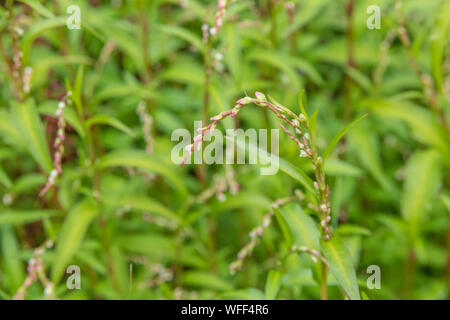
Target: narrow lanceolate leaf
[[38, 7], [313, 128], [18, 217], [108, 120], [301, 228], [274, 160], [341, 266], [35, 31], [422, 180], [424, 124], [4, 179], [365, 144], [206, 280], [10, 251], [339, 136], [273, 284], [301, 106], [142, 160], [184, 34], [26, 119], [438, 39], [141, 203], [71, 235]]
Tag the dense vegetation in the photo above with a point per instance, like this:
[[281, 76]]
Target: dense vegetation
[[86, 171]]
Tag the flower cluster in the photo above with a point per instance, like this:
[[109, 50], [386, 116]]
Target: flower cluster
[[35, 271], [147, 122], [315, 255], [218, 18], [157, 273], [324, 211], [218, 21], [300, 124], [221, 185], [257, 233], [58, 144]]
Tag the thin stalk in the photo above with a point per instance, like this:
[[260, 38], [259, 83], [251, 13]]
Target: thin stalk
[[348, 108], [323, 281], [145, 30]]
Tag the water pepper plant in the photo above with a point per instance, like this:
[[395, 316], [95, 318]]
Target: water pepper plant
[[305, 137]]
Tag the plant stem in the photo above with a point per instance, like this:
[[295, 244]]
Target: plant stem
[[323, 281], [350, 60], [409, 274], [145, 29]]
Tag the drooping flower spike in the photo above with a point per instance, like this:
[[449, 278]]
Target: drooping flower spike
[[58, 144]]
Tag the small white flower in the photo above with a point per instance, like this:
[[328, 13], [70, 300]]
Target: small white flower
[[306, 136], [219, 56], [48, 290], [295, 121], [303, 154], [7, 199], [213, 31], [323, 207], [19, 31], [302, 117], [61, 104], [53, 174]]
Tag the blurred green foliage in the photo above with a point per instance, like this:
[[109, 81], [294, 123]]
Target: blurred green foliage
[[117, 203]]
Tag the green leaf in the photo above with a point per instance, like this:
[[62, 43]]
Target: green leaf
[[77, 91], [341, 266], [35, 30], [10, 251], [36, 5], [438, 40], [143, 160], [365, 144], [301, 106], [302, 229], [71, 235], [19, 217], [244, 294], [284, 165], [278, 61], [26, 119], [422, 180], [360, 78], [206, 280], [108, 120], [4, 179], [313, 129], [339, 136], [184, 34], [140, 202], [425, 126], [273, 284]]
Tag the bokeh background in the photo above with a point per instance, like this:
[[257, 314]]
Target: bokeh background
[[140, 69]]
